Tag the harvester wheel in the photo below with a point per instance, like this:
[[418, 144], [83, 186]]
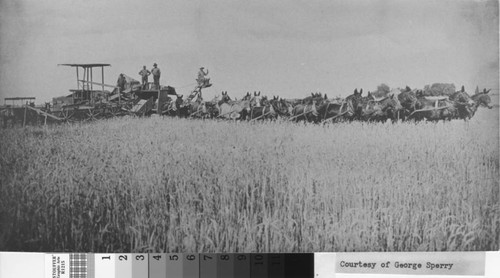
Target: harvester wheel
[[92, 114], [66, 115]]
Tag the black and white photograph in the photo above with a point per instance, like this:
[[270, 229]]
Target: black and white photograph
[[249, 126]]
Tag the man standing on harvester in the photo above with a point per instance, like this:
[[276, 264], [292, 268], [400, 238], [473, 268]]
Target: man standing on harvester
[[121, 82], [156, 75], [144, 73], [203, 82], [201, 77]]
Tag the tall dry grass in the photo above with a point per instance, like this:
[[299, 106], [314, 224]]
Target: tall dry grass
[[174, 185]]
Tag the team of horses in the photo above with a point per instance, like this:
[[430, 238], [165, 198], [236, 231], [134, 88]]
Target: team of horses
[[400, 104], [397, 105]]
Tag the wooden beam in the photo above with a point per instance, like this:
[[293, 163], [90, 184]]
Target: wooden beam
[[102, 78], [91, 86], [91, 79], [25, 110], [96, 83], [158, 109], [44, 113]]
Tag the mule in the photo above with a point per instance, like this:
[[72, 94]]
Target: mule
[[212, 107], [170, 108], [256, 100], [355, 100], [316, 97], [482, 98], [479, 99], [433, 110], [464, 104], [178, 108], [359, 103], [197, 108], [282, 108], [380, 110], [264, 110], [408, 100], [233, 109], [334, 111], [305, 112]]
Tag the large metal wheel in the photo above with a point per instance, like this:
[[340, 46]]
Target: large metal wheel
[[93, 114], [66, 115]]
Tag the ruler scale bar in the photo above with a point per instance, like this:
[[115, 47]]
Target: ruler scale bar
[[140, 265], [208, 265], [299, 265], [191, 265], [242, 265], [225, 266], [276, 265], [174, 265], [104, 265], [123, 266], [157, 265], [245, 265], [258, 266]]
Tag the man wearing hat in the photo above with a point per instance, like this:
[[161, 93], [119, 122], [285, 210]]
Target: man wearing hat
[[201, 76], [156, 75]]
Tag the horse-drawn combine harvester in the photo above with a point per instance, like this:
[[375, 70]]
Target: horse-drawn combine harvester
[[91, 101]]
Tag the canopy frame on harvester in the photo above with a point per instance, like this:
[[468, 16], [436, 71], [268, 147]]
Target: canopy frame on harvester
[[17, 99], [85, 86]]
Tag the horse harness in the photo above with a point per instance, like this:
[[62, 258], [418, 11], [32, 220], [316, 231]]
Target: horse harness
[[340, 111]]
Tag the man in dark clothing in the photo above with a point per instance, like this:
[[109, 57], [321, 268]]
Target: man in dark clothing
[[156, 75], [121, 82], [144, 73]]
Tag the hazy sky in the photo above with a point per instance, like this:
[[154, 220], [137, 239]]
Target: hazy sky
[[286, 48]]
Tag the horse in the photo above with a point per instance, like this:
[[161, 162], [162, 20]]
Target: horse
[[225, 98], [255, 100], [265, 110], [281, 107], [248, 96], [479, 99], [233, 109], [197, 108], [356, 100], [305, 112], [317, 97], [408, 100], [359, 103], [212, 107], [464, 104], [433, 110], [482, 98], [331, 110], [458, 105], [178, 108], [381, 110], [170, 107]]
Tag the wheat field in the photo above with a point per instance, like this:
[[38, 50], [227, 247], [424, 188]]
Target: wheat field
[[178, 185]]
